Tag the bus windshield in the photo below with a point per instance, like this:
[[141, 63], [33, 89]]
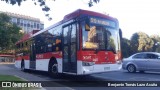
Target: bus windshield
[[101, 37]]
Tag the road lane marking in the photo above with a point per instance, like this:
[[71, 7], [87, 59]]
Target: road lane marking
[[43, 88], [27, 80], [21, 78]]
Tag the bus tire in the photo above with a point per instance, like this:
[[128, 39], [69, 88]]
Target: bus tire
[[23, 66], [53, 69]]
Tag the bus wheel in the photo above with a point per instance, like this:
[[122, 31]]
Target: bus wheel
[[23, 66], [53, 69]]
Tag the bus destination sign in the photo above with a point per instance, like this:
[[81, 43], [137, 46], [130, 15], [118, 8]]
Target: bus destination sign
[[102, 22]]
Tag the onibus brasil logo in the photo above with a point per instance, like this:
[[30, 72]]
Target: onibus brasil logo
[[21, 84]]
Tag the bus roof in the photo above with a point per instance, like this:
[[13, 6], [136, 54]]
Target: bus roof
[[85, 12], [65, 19]]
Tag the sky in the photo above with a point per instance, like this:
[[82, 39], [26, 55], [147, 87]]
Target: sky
[[133, 15]]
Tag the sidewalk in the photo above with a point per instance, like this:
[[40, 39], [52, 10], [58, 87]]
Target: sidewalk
[[10, 69], [6, 62]]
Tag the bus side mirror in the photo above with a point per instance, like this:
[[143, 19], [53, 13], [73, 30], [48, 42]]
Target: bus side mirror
[[120, 34]]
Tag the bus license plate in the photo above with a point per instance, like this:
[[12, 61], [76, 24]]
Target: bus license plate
[[106, 68]]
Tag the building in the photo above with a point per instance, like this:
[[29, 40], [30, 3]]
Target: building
[[27, 23], [6, 58]]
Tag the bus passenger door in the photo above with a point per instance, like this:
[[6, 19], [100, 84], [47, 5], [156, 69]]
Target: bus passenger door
[[32, 59], [69, 49]]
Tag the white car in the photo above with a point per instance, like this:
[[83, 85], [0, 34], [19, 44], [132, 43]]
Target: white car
[[144, 61]]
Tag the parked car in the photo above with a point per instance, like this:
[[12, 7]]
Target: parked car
[[144, 61]]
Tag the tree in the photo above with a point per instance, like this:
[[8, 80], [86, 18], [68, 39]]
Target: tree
[[156, 45], [134, 43], [9, 33], [42, 4], [141, 42], [126, 49]]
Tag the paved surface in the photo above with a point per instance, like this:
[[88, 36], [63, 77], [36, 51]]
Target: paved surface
[[125, 76], [9, 69]]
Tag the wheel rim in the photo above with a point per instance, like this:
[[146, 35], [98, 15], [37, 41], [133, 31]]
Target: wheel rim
[[131, 68], [54, 68]]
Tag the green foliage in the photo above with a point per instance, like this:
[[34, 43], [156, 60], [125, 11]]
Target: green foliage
[[9, 33], [134, 43], [42, 4], [126, 49], [157, 49], [10, 78], [90, 4], [141, 42], [4, 18], [145, 42], [156, 40]]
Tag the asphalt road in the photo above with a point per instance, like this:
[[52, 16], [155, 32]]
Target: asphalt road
[[74, 80]]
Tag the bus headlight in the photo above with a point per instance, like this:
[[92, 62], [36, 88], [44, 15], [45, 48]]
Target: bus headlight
[[88, 63], [116, 57]]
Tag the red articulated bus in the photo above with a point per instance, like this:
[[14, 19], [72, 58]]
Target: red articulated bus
[[84, 42]]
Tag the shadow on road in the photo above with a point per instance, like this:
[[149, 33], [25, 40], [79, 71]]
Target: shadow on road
[[71, 80], [66, 76], [145, 73]]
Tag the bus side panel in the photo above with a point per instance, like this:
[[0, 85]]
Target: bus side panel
[[59, 61], [42, 64], [26, 62], [79, 67], [18, 64]]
